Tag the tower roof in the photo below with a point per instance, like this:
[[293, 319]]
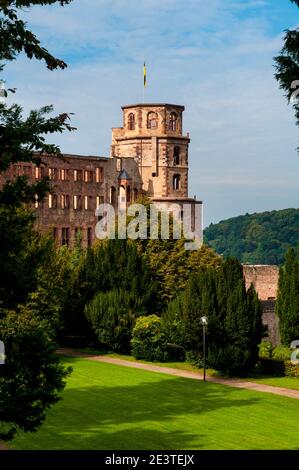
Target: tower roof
[[153, 105], [124, 175]]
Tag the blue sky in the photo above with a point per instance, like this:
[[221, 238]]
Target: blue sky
[[215, 57]]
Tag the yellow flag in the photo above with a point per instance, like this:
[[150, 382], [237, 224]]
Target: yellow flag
[[144, 75]]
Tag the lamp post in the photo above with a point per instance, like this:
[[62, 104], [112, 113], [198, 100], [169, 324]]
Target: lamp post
[[204, 322]]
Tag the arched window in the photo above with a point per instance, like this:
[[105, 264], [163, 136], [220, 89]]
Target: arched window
[[152, 120], [131, 122], [176, 156], [176, 182], [128, 195], [173, 122], [113, 196]]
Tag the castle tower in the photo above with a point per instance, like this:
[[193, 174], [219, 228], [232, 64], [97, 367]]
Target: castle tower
[[153, 135]]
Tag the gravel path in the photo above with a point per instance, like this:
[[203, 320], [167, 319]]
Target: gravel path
[[286, 392]]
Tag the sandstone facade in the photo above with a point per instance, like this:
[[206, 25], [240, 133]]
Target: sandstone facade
[[149, 155]]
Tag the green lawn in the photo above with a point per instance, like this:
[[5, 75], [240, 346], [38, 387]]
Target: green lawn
[[126, 357], [111, 407], [285, 382]]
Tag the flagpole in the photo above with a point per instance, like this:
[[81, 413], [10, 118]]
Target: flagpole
[[144, 81]]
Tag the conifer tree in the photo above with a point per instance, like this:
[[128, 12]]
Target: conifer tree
[[287, 306], [287, 65], [235, 326]]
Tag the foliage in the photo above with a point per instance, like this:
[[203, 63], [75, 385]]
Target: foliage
[[275, 361], [110, 265], [16, 38], [148, 339], [172, 264], [265, 350], [287, 306], [21, 252], [55, 293], [257, 238], [287, 65], [32, 377], [291, 370], [281, 353], [234, 318], [112, 316]]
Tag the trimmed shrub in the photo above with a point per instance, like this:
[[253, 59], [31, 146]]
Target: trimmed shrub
[[265, 350], [291, 370], [112, 316], [148, 339], [281, 353]]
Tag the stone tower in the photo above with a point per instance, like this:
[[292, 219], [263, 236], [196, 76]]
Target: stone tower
[[153, 135]]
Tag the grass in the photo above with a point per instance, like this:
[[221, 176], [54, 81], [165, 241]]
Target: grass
[[126, 357], [285, 382], [106, 406]]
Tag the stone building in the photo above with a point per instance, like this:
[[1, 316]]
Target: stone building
[[149, 155], [265, 280]]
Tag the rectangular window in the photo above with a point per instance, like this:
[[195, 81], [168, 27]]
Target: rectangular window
[[55, 234], [88, 176], [51, 173], [99, 175], [77, 202], [89, 236], [65, 236], [36, 203], [52, 201], [86, 203], [17, 170], [27, 170], [64, 201], [100, 200], [37, 172], [62, 174], [77, 175]]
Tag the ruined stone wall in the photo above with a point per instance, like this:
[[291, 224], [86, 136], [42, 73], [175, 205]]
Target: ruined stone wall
[[265, 280], [78, 185]]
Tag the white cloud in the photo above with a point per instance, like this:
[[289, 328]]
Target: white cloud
[[201, 54]]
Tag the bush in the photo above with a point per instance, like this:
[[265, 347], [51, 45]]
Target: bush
[[272, 367], [195, 358], [148, 340], [291, 370], [175, 352], [265, 350], [32, 378], [281, 353], [277, 362], [112, 316]]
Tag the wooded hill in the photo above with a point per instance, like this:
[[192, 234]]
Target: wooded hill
[[260, 238]]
